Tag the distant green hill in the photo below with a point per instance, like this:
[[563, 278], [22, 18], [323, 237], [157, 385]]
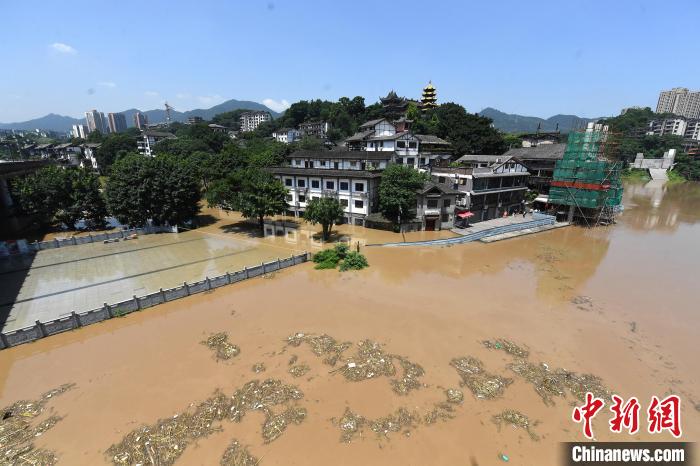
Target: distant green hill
[[53, 122], [513, 123]]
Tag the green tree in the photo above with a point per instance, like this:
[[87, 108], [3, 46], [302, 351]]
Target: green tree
[[468, 133], [164, 189], [57, 195], [397, 193], [95, 136], [324, 210], [112, 148], [252, 191]]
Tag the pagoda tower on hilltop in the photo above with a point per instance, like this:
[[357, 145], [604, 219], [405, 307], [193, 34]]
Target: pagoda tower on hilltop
[[429, 98], [394, 106]]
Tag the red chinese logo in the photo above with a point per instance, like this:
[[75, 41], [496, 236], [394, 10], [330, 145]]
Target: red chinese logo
[[665, 415], [587, 412], [662, 414], [626, 416]]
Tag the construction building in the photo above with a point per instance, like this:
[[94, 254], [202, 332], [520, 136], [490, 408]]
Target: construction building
[[587, 179]]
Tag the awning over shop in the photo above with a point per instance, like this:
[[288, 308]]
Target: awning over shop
[[466, 214]]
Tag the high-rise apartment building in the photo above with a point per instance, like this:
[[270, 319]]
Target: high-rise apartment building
[[251, 120], [80, 131], [96, 121], [140, 120], [117, 122], [679, 101]]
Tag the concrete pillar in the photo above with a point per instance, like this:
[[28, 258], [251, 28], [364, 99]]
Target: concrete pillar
[[42, 330], [5, 193], [138, 303], [76, 319], [570, 217], [108, 308]]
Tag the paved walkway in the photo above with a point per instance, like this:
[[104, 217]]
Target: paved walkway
[[495, 223], [658, 174]]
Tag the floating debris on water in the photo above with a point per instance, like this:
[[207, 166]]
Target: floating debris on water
[[259, 367], [238, 455], [400, 420], [292, 360], [369, 362], [321, 345], [507, 346], [350, 424], [554, 383], [17, 433], [443, 410], [409, 381], [219, 343], [585, 303], [454, 396], [299, 370], [163, 442], [481, 383], [515, 419]]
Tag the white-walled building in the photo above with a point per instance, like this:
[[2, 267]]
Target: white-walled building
[[675, 126], [90, 155], [251, 120], [692, 130], [150, 139], [286, 135], [317, 129], [416, 150], [351, 177]]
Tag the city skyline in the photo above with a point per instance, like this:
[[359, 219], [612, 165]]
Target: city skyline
[[532, 61]]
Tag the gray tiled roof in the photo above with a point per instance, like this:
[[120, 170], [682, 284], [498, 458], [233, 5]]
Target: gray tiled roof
[[542, 151], [342, 154], [325, 172], [484, 158], [444, 188], [371, 122], [359, 136], [430, 139]]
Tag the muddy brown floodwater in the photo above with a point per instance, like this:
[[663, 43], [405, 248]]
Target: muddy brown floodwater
[[619, 303]]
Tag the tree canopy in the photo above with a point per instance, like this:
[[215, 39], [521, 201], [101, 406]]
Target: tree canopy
[[160, 188], [397, 193], [58, 195], [324, 210], [112, 148], [252, 191]]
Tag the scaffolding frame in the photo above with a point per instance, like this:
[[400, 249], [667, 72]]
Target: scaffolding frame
[[588, 178]]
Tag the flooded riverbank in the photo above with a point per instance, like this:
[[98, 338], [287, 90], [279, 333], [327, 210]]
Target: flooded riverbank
[[616, 302]]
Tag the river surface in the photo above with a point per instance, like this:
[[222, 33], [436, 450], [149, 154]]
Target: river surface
[[619, 302]]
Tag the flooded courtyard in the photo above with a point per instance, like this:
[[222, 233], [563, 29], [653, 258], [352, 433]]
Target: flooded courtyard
[[616, 303]]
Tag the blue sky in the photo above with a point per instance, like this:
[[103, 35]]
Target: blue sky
[[536, 58]]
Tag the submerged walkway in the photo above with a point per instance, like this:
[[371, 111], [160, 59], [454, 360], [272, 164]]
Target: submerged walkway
[[496, 227]]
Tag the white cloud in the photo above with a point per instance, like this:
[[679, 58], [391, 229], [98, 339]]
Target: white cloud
[[209, 99], [107, 84], [277, 106], [151, 94], [63, 48], [183, 96]]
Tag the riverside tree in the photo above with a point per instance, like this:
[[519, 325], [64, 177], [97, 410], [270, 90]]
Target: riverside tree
[[163, 189], [252, 191], [324, 210], [397, 193], [57, 195]]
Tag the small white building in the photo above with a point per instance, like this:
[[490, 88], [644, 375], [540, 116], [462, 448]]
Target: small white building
[[286, 135], [90, 155], [150, 139]]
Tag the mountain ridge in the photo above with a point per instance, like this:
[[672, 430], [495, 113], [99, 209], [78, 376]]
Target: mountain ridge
[[62, 123], [514, 123]]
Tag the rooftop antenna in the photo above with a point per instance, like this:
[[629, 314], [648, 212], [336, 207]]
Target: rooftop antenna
[[168, 108]]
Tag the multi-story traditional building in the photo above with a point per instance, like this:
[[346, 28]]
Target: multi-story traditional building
[[679, 101], [286, 135], [251, 120], [540, 161], [417, 150], [150, 139], [394, 106], [351, 177], [429, 98], [435, 206], [117, 122], [317, 129], [489, 185], [140, 120]]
